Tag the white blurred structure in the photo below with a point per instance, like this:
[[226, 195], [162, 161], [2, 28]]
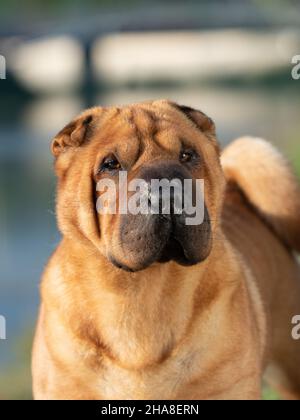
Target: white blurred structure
[[46, 115], [183, 56], [59, 64], [48, 64]]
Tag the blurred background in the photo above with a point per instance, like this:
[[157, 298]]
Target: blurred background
[[229, 58]]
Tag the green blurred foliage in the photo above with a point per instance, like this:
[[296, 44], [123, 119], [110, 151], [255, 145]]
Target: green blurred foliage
[[292, 148], [54, 8], [269, 394], [15, 381], [12, 8], [294, 155]]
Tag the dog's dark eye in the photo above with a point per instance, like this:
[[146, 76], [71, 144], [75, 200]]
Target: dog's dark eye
[[186, 156], [110, 163]]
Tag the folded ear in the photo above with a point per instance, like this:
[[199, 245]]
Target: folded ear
[[75, 134], [202, 121]]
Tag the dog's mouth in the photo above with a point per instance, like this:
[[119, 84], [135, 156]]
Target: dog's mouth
[[174, 251], [146, 241]]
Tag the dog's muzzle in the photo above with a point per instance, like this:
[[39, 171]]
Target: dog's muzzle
[[161, 233]]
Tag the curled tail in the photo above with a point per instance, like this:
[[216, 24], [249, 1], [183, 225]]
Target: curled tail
[[269, 184]]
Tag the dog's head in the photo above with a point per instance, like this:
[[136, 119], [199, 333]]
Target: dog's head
[[101, 155]]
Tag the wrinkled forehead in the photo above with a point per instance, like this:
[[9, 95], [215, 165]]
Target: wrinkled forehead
[[144, 125]]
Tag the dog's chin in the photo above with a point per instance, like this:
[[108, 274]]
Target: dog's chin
[[122, 266], [129, 268]]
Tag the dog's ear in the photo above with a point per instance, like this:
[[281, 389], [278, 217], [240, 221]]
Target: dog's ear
[[74, 134], [202, 121]]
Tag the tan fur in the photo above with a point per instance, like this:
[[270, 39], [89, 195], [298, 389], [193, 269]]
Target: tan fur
[[267, 180], [169, 332]]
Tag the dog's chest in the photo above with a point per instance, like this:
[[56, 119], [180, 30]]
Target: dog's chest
[[163, 381]]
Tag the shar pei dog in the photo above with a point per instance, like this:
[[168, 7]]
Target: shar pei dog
[[143, 305]]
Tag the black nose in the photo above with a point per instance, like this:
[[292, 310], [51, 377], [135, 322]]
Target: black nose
[[164, 170], [166, 186]]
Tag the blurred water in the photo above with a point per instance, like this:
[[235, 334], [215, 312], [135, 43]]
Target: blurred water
[[27, 184]]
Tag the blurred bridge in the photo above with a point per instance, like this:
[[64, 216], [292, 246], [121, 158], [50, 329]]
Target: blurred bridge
[[266, 41]]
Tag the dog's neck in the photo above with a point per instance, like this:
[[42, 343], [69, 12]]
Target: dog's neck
[[138, 319]]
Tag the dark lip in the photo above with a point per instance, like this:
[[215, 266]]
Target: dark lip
[[174, 251], [120, 265]]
